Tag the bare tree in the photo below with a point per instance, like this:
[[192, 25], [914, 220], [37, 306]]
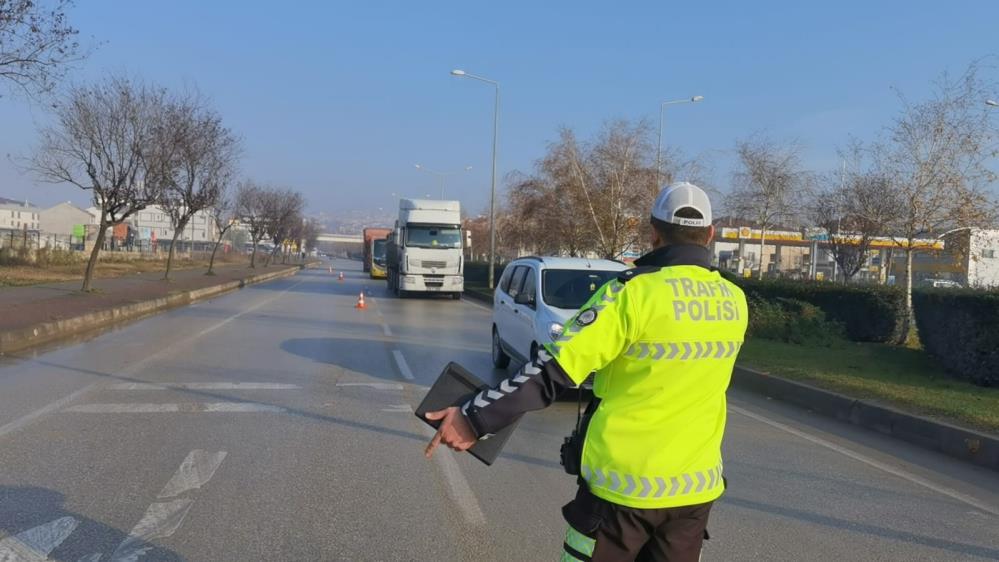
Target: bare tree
[[854, 209], [770, 185], [105, 141], [201, 161], [937, 155], [37, 44], [250, 203], [224, 217], [282, 211]]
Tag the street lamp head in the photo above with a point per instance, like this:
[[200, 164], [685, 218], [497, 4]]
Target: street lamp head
[[468, 168], [417, 166], [697, 98], [457, 72], [993, 103]]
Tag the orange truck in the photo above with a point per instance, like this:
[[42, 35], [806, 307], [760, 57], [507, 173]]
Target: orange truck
[[371, 235]]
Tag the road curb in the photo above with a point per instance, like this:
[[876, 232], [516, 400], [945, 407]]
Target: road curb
[[968, 445], [46, 332], [479, 296]]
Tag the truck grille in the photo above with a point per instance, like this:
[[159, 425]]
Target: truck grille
[[430, 264]]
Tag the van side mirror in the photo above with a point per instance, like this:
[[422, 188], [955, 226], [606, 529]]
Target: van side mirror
[[525, 299]]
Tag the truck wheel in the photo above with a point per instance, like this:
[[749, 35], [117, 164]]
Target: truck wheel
[[500, 359], [456, 296]]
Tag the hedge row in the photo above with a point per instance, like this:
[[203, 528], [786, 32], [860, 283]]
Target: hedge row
[[791, 321], [870, 313], [477, 274], [960, 328]]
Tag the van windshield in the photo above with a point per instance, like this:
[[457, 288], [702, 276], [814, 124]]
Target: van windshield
[[571, 288], [445, 237]]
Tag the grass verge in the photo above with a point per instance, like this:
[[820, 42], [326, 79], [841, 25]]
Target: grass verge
[[25, 275], [904, 378]]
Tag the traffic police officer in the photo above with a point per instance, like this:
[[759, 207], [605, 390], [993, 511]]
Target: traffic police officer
[[663, 340]]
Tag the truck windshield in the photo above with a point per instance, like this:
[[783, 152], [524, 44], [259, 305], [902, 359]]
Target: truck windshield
[[571, 288], [378, 251], [433, 237]]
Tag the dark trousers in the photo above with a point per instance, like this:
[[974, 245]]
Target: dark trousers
[[600, 531]]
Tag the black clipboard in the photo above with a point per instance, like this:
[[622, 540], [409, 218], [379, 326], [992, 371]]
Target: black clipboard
[[455, 386]]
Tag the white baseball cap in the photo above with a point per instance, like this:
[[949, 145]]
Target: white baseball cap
[[682, 195]]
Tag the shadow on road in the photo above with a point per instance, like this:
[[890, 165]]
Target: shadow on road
[[862, 528], [35, 525]]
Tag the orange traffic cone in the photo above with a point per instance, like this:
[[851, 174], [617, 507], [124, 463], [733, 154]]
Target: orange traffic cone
[[341, 276], [360, 301]]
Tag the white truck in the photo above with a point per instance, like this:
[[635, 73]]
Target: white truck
[[424, 253]]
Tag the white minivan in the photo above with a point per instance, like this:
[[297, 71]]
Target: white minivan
[[536, 296]]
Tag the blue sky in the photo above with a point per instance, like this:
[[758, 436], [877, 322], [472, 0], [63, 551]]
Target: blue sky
[[339, 100]]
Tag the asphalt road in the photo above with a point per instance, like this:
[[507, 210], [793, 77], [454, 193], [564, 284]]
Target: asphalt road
[[276, 423]]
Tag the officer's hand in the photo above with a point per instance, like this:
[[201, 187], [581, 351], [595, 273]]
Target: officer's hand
[[453, 431]]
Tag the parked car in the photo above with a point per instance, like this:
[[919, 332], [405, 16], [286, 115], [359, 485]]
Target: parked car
[[941, 283], [536, 296]]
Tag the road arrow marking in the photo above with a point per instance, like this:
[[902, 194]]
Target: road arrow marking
[[196, 470], [35, 544]]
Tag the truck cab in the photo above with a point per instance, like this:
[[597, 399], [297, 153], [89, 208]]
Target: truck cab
[[425, 250]]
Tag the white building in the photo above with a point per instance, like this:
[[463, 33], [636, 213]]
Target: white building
[[18, 215], [976, 254], [152, 225]]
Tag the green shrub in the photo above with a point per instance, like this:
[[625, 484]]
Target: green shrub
[[960, 327], [791, 321], [868, 313]]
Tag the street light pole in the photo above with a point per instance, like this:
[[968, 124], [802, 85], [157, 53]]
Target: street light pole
[[441, 175], [492, 188], [659, 150]]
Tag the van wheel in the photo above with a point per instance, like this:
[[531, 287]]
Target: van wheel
[[500, 359]]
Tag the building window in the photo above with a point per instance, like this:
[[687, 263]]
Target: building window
[[990, 253]]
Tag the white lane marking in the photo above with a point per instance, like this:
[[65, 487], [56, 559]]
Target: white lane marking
[[187, 407], [196, 470], [403, 366], [204, 386], [905, 475], [241, 313], [160, 521], [405, 408], [375, 385], [387, 330], [47, 409], [36, 543], [457, 486], [134, 367]]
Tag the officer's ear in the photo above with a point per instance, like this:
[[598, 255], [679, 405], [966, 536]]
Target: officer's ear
[[711, 234], [657, 239]]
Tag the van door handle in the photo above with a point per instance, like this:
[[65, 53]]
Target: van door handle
[[515, 311]]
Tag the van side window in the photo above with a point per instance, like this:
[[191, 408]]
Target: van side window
[[530, 285], [518, 280], [504, 283]]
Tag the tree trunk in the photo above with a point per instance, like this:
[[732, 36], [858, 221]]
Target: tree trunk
[[763, 241], [211, 261], [253, 256], [173, 246], [88, 275], [909, 318]]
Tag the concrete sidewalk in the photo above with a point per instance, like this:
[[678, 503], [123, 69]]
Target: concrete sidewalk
[[28, 309]]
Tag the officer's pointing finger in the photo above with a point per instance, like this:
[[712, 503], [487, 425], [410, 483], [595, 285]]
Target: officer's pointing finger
[[429, 452]]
